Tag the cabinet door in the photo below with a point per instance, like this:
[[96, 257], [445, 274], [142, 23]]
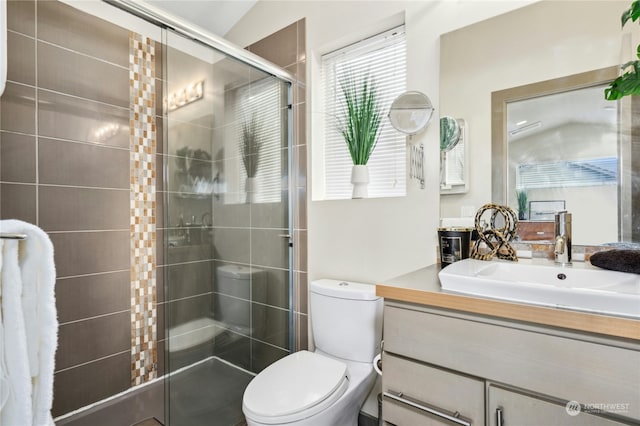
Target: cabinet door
[[415, 393], [566, 368], [519, 409]]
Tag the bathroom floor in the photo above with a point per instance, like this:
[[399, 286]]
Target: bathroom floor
[[208, 393]]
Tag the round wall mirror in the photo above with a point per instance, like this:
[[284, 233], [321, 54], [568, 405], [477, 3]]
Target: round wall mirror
[[411, 112], [449, 133]]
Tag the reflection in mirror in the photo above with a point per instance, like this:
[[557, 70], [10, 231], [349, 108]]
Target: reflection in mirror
[[449, 133], [410, 112], [557, 142], [453, 147], [510, 51], [562, 152]]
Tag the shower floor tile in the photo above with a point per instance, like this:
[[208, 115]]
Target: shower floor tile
[[209, 393], [149, 422]]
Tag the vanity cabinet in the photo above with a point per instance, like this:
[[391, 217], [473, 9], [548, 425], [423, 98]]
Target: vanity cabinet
[[453, 368]]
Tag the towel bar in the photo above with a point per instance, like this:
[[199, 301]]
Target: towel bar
[[13, 236]]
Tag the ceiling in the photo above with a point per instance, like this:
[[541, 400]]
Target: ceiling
[[216, 16], [543, 113]]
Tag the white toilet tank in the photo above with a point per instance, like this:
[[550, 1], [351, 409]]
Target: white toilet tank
[[240, 282], [346, 319]]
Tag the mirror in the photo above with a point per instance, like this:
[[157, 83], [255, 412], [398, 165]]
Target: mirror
[[514, 59], [411, 112], [560, 143]]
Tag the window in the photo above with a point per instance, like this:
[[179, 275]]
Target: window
[[382, 57]]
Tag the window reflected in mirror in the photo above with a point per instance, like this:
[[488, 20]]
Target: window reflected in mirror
[[563, 154], [453, 152]]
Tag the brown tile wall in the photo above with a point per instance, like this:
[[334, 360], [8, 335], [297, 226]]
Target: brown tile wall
[[68, 78], [287, 48]]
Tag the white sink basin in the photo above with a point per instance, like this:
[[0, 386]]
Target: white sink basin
[[579, 286]]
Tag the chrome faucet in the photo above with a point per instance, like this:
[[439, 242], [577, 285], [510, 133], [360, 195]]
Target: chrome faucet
[[563, 237]]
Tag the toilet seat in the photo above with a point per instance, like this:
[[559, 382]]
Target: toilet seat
[[295, 387]]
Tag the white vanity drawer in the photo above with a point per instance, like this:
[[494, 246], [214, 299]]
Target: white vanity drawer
[[567, 369], [415, 393]]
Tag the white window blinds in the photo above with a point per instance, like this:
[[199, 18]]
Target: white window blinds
[[382, 57], [554, 174]]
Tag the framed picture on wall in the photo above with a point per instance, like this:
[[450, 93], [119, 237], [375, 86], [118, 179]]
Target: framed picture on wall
[[544, 211]]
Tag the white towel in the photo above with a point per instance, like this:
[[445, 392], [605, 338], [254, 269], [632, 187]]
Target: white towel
[[17, 409], [30, 324]]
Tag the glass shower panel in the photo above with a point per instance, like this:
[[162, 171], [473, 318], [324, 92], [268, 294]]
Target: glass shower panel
[[227, 214]]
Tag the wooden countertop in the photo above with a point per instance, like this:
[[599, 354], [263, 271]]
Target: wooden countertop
[[423, 287]]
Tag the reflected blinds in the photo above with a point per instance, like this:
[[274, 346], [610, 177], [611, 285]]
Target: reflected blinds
[[384, 58], [591, 172], [263, 102]]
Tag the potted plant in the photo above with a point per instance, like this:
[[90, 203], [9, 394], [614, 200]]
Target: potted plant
[[521, 196], [360, 127], [250, 145], [629, 82]]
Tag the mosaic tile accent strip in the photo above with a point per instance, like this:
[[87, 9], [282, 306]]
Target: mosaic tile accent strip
[[142, 124]]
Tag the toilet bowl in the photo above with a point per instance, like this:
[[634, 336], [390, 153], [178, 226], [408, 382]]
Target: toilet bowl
[[327, 386]]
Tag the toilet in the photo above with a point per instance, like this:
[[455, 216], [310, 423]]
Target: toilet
[[240, 282], [328, 386]]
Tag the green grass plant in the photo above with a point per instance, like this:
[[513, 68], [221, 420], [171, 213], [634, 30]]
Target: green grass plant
[[250, 145], [360, 125]]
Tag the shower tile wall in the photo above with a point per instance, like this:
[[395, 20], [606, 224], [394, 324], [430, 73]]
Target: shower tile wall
[[142, 219], [287, 48], [64, 165]]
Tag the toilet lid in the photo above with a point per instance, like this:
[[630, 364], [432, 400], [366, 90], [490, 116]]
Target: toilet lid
[[297, 386]]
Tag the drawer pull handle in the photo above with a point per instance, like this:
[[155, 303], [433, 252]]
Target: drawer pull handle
[[499, 417], [452, 417]]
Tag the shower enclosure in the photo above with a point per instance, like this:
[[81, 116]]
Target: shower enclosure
[[227, 229]]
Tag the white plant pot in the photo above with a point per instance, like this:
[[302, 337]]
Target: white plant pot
[[360, 181], [250, 188]]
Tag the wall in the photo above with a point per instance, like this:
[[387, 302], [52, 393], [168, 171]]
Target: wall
[[65, 166], [373, 239]]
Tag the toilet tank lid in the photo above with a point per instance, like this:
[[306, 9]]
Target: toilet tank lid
[[344, 289], [237, 271]]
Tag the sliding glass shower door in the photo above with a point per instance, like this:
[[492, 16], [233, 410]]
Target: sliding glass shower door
[[227, 226]]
